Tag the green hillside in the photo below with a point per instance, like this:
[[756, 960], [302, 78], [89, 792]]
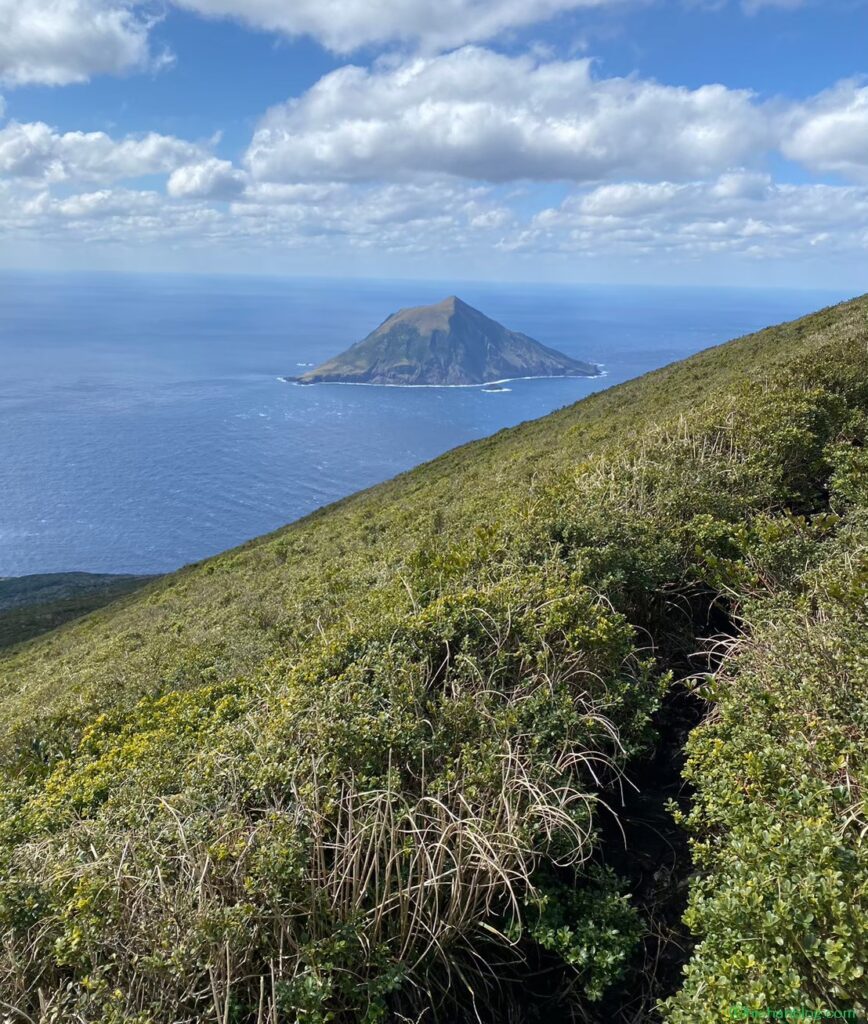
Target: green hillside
[[407, 759]]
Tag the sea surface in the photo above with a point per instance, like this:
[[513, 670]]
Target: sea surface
[[143, 424]]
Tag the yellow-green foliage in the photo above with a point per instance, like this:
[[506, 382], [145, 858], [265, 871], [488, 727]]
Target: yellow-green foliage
[[780, 816], [361, 767]]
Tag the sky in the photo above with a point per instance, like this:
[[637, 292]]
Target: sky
[[647, 141]]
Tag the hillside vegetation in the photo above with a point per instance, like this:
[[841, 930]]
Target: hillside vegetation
[[376, 765]]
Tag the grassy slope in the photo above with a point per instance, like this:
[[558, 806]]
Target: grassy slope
[[449, 616]]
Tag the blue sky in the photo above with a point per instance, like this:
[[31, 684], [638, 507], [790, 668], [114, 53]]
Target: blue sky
[[675, 141]]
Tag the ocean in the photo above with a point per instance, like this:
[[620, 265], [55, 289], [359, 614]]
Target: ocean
[[143, 424]]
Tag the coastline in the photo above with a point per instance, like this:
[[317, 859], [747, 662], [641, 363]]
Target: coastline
[[481, 384]]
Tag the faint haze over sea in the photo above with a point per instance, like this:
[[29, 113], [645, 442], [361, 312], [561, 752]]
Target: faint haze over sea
[[143, 425]]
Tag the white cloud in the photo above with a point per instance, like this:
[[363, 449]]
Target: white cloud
[[103, 204], [345, 25], [39, 153], [128, 217], [408, 219], [741, 185], [481, 115], [410, 156], [625, 200], [830, 132], [394, 218], [56, 42], [210, 179], [740, 213]]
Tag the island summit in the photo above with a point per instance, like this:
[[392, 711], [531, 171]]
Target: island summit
[[447, 344]]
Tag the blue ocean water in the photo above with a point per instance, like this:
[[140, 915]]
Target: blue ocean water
[[143, 424]]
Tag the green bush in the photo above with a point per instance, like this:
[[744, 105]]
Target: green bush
[[780, 818]]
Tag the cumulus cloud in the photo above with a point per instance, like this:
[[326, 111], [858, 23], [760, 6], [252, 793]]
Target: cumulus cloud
[[830, 132], [479, 114], [406, 219], [392, 218], [127, 217], [745, 215], [739, 213], [56, 42], [209, 179], [39, 153], [96, 206], [345, 25], [414, 155]]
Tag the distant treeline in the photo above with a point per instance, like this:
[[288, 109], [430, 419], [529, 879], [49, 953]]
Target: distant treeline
[[30, 605]]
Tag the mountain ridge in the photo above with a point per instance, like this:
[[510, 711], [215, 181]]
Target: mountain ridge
[[447, 344]]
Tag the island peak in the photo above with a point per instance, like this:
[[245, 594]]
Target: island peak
[[448, 343]]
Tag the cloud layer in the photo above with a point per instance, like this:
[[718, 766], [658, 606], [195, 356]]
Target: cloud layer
[[478, 114], [209, 179], [346, 25], [741, 217], [58, 42], [830, 132], [37, 153], [745, 214], [454, 153], [446, 149]]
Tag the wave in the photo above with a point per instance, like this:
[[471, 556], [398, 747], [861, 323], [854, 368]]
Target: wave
[[483, 384]]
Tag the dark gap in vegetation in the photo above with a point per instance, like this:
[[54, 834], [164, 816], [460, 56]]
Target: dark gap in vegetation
[[644, 844], [649, 850]]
